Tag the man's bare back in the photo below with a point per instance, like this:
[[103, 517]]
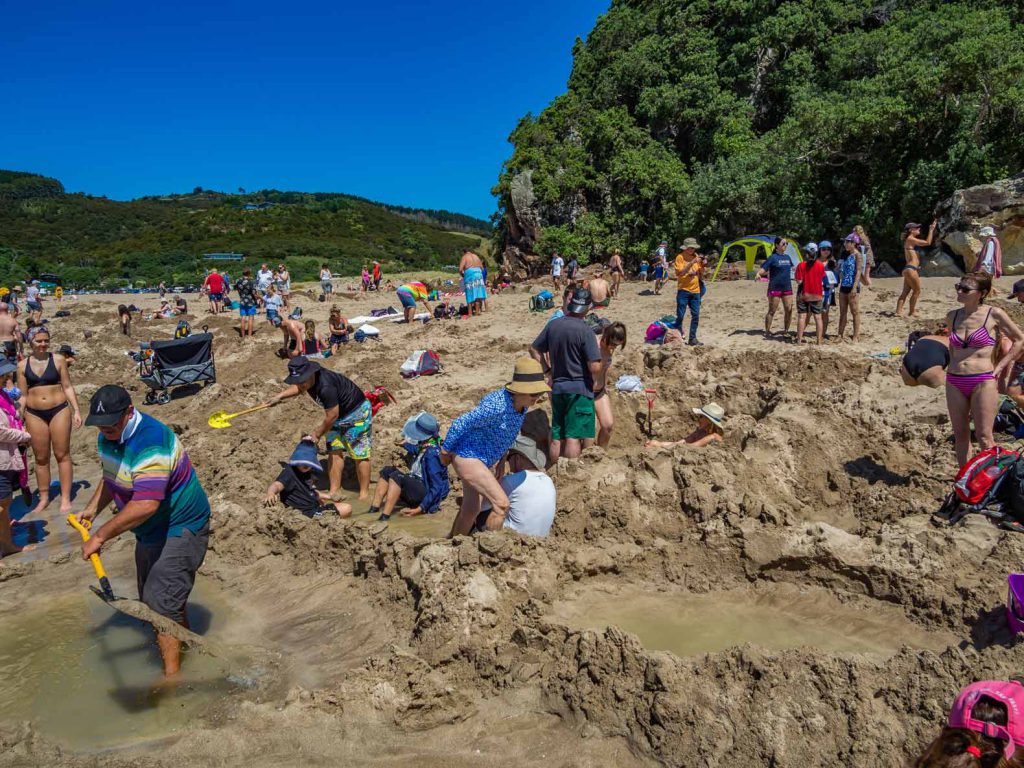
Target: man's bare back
[[8, 327], [599, 289], [470, 259]]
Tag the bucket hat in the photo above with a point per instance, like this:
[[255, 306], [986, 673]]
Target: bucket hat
[[580, 301], [690, 242], [713, 412], [304, 455], [420, 427], [300, 369], [987, 232], [527, 448], [528, 378]]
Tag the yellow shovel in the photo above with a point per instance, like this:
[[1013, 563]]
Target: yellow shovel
[[222, 420], [101, 574]]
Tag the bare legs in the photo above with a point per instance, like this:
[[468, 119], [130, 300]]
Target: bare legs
[[478, 482], [849, 302], [911, 288], [56, 434], [982, 406], [773, 306], [605, 420]]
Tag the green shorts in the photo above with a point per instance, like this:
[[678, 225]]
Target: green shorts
[[572, 417]]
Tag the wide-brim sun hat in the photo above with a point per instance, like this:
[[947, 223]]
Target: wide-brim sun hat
[[528, 378], [713, 412], [690, 242], [527, 448], [304, 455], [420, 427], [300, 369]]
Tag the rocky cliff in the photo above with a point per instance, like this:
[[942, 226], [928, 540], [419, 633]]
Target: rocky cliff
[[966, 211]]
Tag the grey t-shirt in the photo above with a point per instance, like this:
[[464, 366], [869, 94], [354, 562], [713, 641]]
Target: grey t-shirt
[[571, 345]]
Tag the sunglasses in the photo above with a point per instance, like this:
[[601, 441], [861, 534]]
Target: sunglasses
[[961, 288]]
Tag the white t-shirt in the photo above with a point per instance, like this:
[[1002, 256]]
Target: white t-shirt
[[531, 496], [987, 260], [32, 293], [263, 278], [325, 274], [272, 303], [556, 266]]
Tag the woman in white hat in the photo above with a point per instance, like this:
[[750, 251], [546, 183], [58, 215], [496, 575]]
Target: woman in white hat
[[710, 429], [990, 257]]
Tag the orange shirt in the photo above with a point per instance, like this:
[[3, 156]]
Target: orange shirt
[[688, 272]]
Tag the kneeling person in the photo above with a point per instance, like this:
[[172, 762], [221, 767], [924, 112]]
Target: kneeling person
[[530, 491], [150, 479], [425, 485], [296, 487]]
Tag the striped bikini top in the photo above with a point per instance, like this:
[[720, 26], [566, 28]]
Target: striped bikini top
[[978, 339]]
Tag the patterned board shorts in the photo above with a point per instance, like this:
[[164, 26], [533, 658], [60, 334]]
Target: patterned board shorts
[[351, 433]]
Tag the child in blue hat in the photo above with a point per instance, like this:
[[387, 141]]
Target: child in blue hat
[[296, 487], [425, 485]]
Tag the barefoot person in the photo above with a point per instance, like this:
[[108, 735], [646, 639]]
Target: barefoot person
[[850, 273], [557, 265], [214, 287], [613, 337], [13, 473], [972, 392], [710, 426], [810, 278], [472, 270], [248, 302], [990, 258], [51, 408], [347, 420], [293, 331], [912, 268], [616, 270], [149, 477], [10, 336], [661, 265], [779, 271], [867, 253], [477, 440], [408, 294], [425, 485]]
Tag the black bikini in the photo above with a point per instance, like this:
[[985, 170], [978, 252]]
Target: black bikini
[[50, 377]]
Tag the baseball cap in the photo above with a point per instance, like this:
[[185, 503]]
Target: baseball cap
[[811, 247], [107, 405], [67, 350], [825, 244], [1010, 694], [580, 301]]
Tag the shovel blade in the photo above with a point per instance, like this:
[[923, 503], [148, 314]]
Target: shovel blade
[[220, 420]]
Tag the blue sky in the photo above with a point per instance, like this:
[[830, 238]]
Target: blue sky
[[406, 102]]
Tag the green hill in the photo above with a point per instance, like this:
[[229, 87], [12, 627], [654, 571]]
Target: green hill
[[91, 241], [718, 118]]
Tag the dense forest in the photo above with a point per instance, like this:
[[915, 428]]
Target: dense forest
[[93, 241], [718, 118]]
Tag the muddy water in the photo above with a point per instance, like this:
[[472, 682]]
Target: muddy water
[[86, 675], [777, 618]]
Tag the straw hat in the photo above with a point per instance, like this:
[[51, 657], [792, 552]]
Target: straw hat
[[713, 412], [528, 378]]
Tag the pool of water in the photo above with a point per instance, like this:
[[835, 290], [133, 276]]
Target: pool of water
[[777, 618], [88, 676]]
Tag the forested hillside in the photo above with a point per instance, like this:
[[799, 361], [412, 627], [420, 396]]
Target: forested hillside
[[717, 118], [90, 241]]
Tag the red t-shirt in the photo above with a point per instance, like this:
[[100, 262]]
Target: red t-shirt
[[812, 275], [215, 283]]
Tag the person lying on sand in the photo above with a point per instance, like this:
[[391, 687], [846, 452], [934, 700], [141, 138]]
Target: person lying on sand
[[296, 487], [425, 485], [710, 429], [985, 728], [530, 491], [926, 360]]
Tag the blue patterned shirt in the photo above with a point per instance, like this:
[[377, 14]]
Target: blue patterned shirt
[[488, 431]]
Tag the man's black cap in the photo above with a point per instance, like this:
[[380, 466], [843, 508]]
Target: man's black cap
[[580, 301], [300, 369], [107, 405]]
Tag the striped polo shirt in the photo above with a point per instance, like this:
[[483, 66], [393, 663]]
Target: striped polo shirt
[[150, 464]]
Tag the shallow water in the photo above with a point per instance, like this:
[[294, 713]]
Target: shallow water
[[86, 675], [777, 619]]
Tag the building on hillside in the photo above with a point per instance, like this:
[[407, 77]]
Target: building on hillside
[[223, 256]]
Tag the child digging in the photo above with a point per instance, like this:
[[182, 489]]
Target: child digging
[[295, 487], [425, 485]]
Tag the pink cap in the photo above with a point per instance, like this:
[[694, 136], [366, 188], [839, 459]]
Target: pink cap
[[1008, 693]]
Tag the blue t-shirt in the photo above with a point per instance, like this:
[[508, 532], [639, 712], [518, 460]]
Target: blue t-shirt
[[780, 272], [848, 268]]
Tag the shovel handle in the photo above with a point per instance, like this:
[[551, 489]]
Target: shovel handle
[[97, 564], [259, 407]]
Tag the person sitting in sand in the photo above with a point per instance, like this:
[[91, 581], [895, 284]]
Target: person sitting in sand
[[425, 485], [339, 329], [296, 487], [293, 332], [124, 317], [600, 290], [180, 305], [985, 728], [166, 311], [13, 470], [312, 345], [710, 429], [927, 358], [531, 493]]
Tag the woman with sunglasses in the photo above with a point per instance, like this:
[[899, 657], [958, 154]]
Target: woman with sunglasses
[[779, 271], [912, 270], [972, 391]]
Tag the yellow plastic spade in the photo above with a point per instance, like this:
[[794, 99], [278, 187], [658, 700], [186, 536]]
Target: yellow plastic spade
[[222, 420], [97, 564]]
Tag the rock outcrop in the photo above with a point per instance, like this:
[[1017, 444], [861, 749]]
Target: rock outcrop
[[962, 215], [523, 220]]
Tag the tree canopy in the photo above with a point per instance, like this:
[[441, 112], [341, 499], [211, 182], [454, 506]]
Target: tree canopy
[[718, 118]]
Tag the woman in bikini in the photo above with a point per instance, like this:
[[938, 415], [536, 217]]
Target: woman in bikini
[[612, 338], [615, 267], [912, 271], [51, 408], [972, 390]]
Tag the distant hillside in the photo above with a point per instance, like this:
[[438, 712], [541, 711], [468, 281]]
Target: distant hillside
[[91, 241]]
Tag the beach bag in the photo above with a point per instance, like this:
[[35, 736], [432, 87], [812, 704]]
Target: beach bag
[[978, 481], [62, 313], [182, 330], [655, 332], [422, 362], [379, 397], [540, 303]]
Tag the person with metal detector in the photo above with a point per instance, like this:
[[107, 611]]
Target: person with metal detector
[[149, 477]]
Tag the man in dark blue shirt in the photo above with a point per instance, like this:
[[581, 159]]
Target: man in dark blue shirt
[[779, 271]]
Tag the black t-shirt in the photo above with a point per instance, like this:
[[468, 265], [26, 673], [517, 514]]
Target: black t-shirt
[[299, 492], [331, 388], [571, 346]]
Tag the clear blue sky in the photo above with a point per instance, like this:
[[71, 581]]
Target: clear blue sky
[[408, 102]]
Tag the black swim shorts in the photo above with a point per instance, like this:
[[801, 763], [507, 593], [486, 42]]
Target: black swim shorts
[[166, 572]]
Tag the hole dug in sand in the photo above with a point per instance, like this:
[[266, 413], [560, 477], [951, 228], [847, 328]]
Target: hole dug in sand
[[777, 617]]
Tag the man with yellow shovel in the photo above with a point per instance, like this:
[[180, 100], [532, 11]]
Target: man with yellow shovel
[[148, 476]]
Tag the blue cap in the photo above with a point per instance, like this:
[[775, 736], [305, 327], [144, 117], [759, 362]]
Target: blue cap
[[421, 427], [304, 455], [825, 244]]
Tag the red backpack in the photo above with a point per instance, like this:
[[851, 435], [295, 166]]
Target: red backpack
[[379, 397], [977, 482], [422, 362]]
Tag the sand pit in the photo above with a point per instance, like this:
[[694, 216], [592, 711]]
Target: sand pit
[[397, 647]]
